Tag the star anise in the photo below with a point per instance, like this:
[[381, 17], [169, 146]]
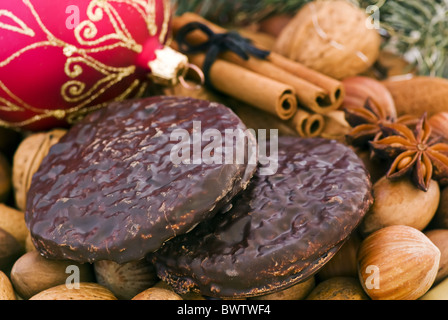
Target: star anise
[[366, 122], [417, 152]]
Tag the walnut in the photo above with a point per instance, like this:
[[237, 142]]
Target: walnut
[[332, 37]]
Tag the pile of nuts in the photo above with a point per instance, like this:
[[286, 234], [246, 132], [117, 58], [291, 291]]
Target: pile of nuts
[[398, 252]]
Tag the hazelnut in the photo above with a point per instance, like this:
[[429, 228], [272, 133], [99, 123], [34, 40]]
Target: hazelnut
[[397, 263]]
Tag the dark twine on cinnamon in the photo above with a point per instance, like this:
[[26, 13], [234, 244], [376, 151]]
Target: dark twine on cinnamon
[[216, 43]]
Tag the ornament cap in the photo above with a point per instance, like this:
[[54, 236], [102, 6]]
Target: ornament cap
[[168, 66]]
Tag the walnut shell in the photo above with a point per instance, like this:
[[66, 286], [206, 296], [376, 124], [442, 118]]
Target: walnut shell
[[27, 159], [397, 263], [331, 37]]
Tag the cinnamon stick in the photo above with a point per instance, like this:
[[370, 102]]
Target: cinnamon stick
[[252, 88], [307, 124], [315, 91], [259, 119]]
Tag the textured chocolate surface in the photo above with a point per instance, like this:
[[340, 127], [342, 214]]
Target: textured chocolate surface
[[109, 189], [280, 231]]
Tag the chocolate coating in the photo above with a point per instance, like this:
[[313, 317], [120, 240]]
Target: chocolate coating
[[109, 189], [280, 231]]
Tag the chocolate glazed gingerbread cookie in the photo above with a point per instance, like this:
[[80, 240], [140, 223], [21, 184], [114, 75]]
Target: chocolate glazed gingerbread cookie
[[281, 230], [110, 189]]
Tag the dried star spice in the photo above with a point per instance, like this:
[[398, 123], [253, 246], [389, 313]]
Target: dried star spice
[[366, 121], [417, 152]]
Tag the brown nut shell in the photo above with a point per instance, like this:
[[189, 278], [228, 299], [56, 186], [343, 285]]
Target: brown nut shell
[[32, 273], [440, 220], [338, 288], [400, 203], [125, 280], [157, 294], [13, 221], [6, 289], [311, 38], [298, 291], [10, 250], [344, 263], [397, 263], [440, 238], [27, 159], [5, 178], [86, 291]]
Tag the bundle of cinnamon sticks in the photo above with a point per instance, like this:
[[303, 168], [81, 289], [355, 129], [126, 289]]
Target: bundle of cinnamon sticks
[[297, 95]]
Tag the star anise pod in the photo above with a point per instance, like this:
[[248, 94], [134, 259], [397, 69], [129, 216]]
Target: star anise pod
[[417, 152], [366, 122]]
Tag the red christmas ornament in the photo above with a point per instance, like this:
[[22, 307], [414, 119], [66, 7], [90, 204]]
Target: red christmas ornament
[[62, 59]]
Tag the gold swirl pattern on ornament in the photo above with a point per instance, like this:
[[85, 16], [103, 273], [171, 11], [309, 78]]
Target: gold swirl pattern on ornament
[[20, 26], [166, 20], [78, 58], [73, 90]]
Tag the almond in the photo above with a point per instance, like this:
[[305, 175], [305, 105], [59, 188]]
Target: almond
[[338, 288], [397, 263], [157, 294], [85, 291], [296, 292], [33, 273], [6, 289]]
